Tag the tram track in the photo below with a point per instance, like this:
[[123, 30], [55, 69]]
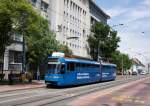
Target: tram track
[[91, 91], [72, 93]]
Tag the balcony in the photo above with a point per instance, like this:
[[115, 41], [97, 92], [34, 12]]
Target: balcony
[[15, 66]]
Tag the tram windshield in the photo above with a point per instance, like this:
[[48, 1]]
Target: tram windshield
[[56, 69]]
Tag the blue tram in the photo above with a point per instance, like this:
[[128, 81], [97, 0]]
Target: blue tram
[[68, 71]]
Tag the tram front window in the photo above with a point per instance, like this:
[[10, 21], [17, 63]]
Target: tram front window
[[56, 69]]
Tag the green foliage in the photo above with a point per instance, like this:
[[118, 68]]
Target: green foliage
[[40, 42], [120, 60], [5, 30], [65, 49], [103, 39], [15, 16], [18, 16]]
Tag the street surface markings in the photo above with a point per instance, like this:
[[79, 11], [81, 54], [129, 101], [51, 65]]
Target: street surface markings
[[70, 95], [128, 99]]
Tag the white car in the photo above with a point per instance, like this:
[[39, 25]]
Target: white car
[[143, 73]]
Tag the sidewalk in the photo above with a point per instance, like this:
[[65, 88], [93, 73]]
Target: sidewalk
[[34, 84]]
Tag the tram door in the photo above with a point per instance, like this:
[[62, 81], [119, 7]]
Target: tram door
[[70, 73]]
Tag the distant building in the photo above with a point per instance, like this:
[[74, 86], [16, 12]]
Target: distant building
[[137, 66]]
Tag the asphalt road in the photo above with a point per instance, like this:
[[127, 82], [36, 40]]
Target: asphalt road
[[57, 96], [137, 94]]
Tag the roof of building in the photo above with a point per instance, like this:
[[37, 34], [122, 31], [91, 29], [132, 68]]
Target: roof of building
[[137, 62], [106, 15]]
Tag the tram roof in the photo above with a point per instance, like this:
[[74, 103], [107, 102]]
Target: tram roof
[[109, 64], [84, 61], [80, 61]]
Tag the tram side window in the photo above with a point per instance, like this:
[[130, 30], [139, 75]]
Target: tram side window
[[71, 66], [78, 67]]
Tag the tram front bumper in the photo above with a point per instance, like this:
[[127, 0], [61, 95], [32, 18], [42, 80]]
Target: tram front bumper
[[53, 79]]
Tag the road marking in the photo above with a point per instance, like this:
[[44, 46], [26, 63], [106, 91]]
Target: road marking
[[130, 99], [70, 95]]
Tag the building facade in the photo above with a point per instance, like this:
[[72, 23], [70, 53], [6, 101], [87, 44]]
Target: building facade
[[71, 19], [97, 14], [13, 56], [68, 19], [41, 7], [137, 66]]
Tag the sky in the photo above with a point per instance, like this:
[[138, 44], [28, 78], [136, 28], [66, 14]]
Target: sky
[[135, 33]]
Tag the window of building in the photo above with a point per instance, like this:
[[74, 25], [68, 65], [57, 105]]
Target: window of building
[[34, 2], [67, 3], [71, 5], [44, 6], [15, 57]]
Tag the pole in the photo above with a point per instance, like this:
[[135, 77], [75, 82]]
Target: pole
[[148, 68], [98, 51], [24, 57], [122, 65]]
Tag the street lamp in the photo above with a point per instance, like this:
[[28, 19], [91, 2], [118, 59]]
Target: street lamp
[[117, 25], [74, 37]]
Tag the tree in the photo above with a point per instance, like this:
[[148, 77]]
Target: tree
[[21, 18], [16, 16], [40, 43], [103, 41], [5, 30], [121, 60]]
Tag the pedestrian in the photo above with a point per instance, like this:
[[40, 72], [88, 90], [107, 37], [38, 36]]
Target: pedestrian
[[10, 77]]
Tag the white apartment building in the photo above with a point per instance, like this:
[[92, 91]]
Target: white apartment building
[[71, 19], [42, 7]]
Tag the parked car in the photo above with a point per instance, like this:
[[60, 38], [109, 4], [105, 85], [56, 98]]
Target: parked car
[[134, 73], [143, 73]]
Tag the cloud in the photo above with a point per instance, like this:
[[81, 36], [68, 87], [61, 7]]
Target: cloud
[[135, 15], [136, 18], [146, 2], [135, 44], [114, 12]]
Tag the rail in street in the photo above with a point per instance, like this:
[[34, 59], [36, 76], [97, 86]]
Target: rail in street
[[56, 96]]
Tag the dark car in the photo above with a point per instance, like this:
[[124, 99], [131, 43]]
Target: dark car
[[134, 73]]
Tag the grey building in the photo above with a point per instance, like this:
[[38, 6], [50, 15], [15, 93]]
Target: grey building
[[13, 56], [97, 14]]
